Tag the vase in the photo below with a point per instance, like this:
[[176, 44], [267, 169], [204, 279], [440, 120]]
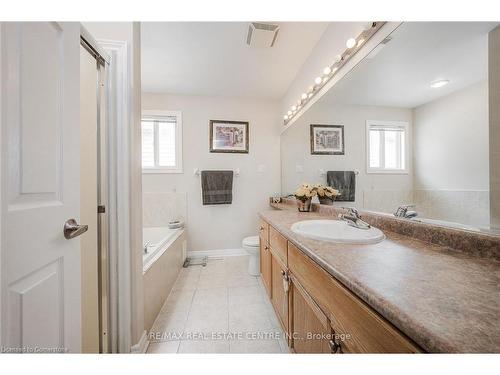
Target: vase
[[304, 206], [325, 200]]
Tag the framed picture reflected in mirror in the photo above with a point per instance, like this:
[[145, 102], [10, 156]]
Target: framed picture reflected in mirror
[[327, 139]]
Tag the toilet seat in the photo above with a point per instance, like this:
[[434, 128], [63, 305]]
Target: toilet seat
[[252, 241]]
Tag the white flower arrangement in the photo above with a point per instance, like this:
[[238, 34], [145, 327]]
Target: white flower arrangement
[[305, 192], [326, 191]]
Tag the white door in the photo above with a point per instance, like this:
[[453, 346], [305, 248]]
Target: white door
[[40, 169]]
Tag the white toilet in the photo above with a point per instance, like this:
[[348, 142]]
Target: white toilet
[[251, 246]]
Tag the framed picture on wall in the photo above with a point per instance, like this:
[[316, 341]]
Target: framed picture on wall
[[327, 139], [229, 136]]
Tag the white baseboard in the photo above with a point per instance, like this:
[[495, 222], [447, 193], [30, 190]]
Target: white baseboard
[[216, 253], [142, 345]]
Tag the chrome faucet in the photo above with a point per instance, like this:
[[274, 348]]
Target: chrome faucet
[[403, 211], [353, 219]]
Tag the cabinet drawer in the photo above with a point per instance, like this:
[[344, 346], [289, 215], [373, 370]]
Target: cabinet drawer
[[278, 245], [368, 331], [263, 231]]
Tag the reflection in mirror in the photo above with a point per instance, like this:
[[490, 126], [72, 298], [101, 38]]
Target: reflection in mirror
[[407, 128]]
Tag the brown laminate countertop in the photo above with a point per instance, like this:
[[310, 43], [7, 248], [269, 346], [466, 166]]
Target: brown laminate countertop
[[445, 300]]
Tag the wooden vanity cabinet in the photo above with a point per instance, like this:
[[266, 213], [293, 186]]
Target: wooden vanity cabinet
[[319, 313]]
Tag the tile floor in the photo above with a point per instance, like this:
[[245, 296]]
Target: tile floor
[[219, 308]]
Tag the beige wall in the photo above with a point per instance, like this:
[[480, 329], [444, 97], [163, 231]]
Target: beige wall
[[450, 137], [221, 226], [159, 279]]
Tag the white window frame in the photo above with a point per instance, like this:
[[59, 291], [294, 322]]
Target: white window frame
[[395, 124], [178, 141]]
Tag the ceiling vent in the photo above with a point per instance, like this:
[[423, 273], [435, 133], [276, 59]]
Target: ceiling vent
[[262, 35]]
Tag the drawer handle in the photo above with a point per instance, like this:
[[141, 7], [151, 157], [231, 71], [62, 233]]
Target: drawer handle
[[334, 347], [261, 229], [266, 247]]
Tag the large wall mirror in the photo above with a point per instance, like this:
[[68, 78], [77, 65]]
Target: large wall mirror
[[414, 116]]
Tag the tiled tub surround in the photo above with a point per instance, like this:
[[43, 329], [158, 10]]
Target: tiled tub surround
[[161, 208], [445, 300]]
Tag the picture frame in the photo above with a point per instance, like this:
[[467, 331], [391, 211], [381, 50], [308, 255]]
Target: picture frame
[[327, 139], [229, 136]]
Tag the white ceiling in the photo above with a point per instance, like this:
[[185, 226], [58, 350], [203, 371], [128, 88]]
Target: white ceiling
[[212, 58], [419, 53]]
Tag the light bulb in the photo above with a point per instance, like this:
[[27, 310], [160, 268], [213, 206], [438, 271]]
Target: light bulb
[[327, 70], [310, 94], [289, 113], [285, 117], [439, 83], [318, 80], [299, 107], [304, 96], [351, 42], [293, 108]]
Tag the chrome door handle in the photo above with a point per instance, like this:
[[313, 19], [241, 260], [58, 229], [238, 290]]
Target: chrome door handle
[[72, 229]]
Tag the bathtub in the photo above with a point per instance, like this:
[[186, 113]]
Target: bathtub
[[157, 240], [162, 264]]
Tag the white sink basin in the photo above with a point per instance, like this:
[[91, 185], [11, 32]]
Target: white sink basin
[[337, 231]]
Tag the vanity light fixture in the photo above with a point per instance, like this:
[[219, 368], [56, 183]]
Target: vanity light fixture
[[353, 45], [439, 83], [351, 42]]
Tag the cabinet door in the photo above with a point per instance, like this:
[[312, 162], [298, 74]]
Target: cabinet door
[[310, 329], [280, 291], [265, 266]]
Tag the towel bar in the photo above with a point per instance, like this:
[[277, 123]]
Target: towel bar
[[197, 172]]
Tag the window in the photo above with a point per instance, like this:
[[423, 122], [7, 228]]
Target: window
[[387, 147], [161, 142]]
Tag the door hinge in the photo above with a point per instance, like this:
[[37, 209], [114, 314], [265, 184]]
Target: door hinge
[[101, 209]]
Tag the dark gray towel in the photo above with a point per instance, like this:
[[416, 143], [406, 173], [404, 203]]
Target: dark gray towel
[[217, 187], [344, 182]]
